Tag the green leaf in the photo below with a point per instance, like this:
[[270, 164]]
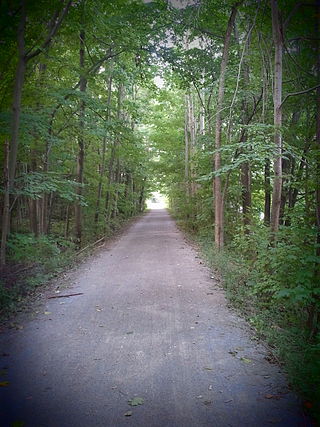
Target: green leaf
[[136, 401], [245, 360]]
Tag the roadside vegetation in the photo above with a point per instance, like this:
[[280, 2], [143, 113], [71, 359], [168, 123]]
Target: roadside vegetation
[[239, 162], [75, 160]]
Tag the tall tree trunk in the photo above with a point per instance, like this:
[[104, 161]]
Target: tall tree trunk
[[113, 175], [286, 166], [186, 147], [117, 181], [192, 128], [103, 158], [80, 160], [6, 203], [217, 188], [13, 148], [318, 136], [66, 223], [33, 211], [277, 99], [202, 113], [313, 310], [19, 80], [245, 173], [245, 169], [41, 204], [142, 196], [267, 193], [50, 209]]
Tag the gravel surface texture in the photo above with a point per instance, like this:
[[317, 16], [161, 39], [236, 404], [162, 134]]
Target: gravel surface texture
[[152, 327]]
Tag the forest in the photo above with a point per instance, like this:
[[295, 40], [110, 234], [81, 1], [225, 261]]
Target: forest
[[216, 104]]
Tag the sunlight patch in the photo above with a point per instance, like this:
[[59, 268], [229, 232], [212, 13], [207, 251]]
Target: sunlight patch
[[157, 201]]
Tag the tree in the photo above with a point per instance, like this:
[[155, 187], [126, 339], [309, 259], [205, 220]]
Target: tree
[[217, 189], [24, 56], [277, 100]]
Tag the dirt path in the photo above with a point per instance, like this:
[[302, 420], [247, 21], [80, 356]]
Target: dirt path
[[151, 323]]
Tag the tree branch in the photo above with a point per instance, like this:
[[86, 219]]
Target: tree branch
[[52, 32], [208, 33], [299, 93]]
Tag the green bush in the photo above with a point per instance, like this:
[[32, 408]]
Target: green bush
[[275, 286], [26, 248]]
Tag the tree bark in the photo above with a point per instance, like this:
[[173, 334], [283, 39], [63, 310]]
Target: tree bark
[[286, 166], [80, 160], [267, 193], [111, 196], [277, 100], [19, 80], [186, 147], [245, 173], [192, 128], [6, 205], [313, 309], [202, 113], [245, 169], [318, 141], [103, 158], [13, 148], [217, 187]]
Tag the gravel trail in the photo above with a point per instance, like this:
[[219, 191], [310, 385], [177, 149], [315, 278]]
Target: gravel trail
[[152, 324]]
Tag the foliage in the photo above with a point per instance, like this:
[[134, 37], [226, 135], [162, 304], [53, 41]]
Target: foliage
[[26, 248], [255, 286]]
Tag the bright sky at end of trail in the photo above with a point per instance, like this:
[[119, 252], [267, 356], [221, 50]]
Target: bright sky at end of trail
[[159, 82], [157, 201]]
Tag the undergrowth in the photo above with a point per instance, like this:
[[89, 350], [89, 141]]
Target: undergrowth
[[273, 287], [34, 261]]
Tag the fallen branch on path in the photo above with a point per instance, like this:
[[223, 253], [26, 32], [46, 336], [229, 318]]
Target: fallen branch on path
[[65, 296], [91, 244]]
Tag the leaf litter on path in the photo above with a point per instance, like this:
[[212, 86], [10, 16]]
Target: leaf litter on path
[[245, 360], [136, 401]]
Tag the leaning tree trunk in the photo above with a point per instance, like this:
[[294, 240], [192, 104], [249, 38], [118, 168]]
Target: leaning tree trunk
[[277, 99], [217, 187], [80, 160]]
